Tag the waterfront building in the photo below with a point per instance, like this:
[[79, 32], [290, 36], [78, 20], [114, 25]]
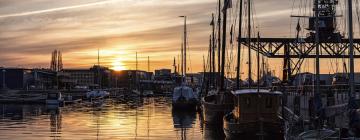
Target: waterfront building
[[77, 78], [14, 78]]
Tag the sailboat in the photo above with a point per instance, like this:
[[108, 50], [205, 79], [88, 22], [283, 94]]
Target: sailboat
[[148, 92], [136, 91], [183, 96], [218, 103], [97, 93]]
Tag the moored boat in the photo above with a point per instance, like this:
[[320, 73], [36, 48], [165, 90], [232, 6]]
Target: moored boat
[[54, 99], [255, 114], [184, 98], [97, 94], [215, 106], [148, 93]]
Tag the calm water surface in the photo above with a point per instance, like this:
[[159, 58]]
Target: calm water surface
[[146, 118]]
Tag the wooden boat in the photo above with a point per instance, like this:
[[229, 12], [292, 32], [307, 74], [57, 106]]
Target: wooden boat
[[255, 115], [215, 106]]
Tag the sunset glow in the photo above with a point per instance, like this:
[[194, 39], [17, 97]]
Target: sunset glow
[[120, 28], [118, 65]]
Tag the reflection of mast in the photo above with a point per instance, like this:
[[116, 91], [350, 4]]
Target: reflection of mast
[[97, 127], [55, 122]]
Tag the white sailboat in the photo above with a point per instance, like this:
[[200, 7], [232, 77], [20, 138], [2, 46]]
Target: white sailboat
[[184, 96], [97, 93]]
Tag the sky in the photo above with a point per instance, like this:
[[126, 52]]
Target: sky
[[30, 30]]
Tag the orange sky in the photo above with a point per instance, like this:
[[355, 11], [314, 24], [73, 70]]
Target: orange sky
[[31, 29]]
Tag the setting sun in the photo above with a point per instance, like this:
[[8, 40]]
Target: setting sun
[[117, 65]]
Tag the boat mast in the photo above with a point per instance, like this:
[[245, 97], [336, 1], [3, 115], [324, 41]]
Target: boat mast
[[318, 102], [148, 63], [98, 69], [249, 43], [136, 72], [258, 63], [351, 50], [222, 73], [213, 51], [182, 60], [219, 43], [210, 63], [239, 47], [185, 47]]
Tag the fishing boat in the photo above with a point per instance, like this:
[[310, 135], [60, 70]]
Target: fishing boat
[[54, 99], [255, 114], [184, 96], [216, 106]]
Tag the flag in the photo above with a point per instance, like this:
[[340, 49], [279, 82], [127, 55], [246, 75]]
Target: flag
[[298, 27], [227, 4], [212, 20]]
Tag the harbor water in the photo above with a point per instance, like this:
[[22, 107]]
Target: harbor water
[[125, 119]]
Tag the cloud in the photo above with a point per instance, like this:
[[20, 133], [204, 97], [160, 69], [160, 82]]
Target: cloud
[[151, 27], [56, 9]]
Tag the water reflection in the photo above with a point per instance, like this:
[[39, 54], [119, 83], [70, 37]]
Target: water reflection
[[126, 118], [183, 120], [55, 122]]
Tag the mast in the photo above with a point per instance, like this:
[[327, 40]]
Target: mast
[[136, 72], [258, 63], [184, 47], [219, 42], [182, 59], [239, 47], [351, 50], [174, 65], [213, 49], [318, 103], [148, 63], [98, 70], [222, 74], [210, 63], [98, 59], [249, 36]]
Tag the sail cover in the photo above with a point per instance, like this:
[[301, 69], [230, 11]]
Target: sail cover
[[184, 91]]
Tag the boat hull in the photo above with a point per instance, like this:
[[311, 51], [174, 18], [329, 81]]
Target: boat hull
[[185, 105], [236, 130], [214, 112]]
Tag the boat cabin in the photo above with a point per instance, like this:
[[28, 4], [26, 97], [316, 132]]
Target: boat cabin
[[251, 104]]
